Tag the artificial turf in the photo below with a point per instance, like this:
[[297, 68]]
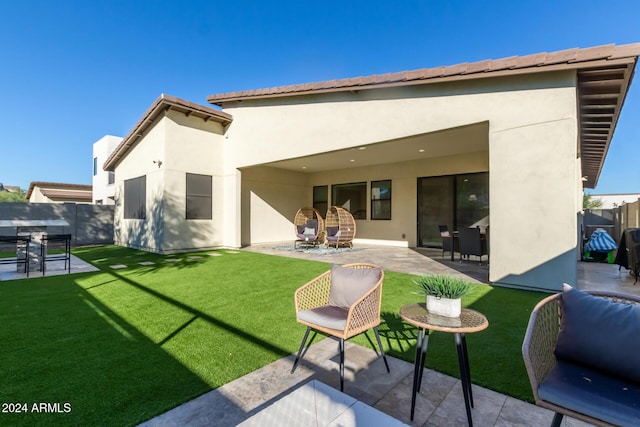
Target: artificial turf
[[120, 346]]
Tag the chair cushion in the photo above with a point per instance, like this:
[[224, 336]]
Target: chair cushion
[[326, 316], [593, 393], [600, 334], [348, 285], [309, 231], [331, 231], [301, 228]]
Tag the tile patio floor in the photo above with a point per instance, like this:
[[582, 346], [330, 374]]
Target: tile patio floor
[[54, 268], [261, 395]]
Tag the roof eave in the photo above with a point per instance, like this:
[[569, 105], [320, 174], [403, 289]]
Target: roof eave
[[159, 106]]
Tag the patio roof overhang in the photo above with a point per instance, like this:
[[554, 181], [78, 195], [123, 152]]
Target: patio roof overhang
[[472, 138], [604, 74]]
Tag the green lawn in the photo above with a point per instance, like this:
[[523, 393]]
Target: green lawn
[[121, 346]]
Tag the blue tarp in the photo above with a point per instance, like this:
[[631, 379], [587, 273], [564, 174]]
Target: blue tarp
[[600, 241]]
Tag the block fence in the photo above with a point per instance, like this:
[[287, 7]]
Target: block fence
[[88, 224]]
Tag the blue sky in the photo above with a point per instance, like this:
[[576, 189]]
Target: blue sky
[[74, 71]]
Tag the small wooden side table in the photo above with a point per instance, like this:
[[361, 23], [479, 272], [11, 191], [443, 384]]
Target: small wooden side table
[[468, 322]]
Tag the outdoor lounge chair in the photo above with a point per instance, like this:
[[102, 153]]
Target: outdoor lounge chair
[[342, 303], [309, 227], [340, 227], [580, 350]]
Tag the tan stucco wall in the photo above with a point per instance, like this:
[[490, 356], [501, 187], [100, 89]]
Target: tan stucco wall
[[183, 145], [270, 199], [532, 155], [403, 178], [37, 196]]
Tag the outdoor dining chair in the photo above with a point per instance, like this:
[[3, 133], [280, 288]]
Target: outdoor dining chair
[[19, 244], [57, 241], [342, 303], [472, 243], [449, 242]]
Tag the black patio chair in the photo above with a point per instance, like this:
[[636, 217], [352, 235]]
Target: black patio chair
[[57, 241], [472, 243], [16, 242], [449, 243]]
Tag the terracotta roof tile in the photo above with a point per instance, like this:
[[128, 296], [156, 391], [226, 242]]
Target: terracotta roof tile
[[430, 73], [530, 60], [503, 64], [625, 51], [415, 74], [425, 75], [478, 67], [597, 52], [452, 70], [561, 56]]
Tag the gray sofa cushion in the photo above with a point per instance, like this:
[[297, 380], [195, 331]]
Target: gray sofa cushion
[[600, 334], [348, 285], [326, 316], [591, 392]]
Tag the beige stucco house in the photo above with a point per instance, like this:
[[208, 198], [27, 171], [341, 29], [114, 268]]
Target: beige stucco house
[[57, 192], [508, 143]]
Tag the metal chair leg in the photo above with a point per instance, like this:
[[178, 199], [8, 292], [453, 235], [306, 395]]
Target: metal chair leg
[[384, 356], [304, 340], [341, 364], [557, 420]]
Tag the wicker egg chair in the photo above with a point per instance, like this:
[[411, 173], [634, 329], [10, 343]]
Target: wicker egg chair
[[309, 227], [340, 227]]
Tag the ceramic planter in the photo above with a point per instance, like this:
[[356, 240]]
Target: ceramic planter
[[444, 306]]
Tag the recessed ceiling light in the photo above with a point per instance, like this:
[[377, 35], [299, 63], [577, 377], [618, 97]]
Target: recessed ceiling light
[[421, 150], [304, 167], [352, 160], [362, 148]]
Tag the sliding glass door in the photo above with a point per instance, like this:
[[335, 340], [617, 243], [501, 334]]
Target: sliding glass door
[[435, 207], [455, 201]]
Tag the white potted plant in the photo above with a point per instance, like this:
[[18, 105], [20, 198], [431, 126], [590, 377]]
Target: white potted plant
[[443, 293]]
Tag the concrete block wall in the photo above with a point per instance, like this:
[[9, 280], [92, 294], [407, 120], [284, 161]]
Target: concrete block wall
[[88, 224]]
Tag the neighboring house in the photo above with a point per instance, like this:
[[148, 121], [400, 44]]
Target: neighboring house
[[56, 192], [610, 201], [501, 142], [103, 181], [10, 188]]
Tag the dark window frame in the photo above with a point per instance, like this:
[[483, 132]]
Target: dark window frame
[[135, 198], [378, 212], [198, 196], [362, 203], [321, 203]]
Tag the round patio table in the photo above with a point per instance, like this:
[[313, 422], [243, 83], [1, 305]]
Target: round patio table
[[469, 321]]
